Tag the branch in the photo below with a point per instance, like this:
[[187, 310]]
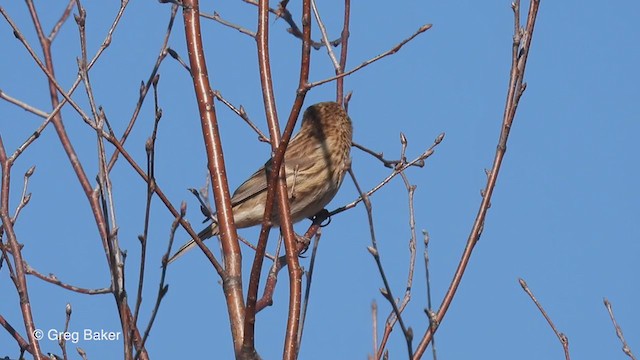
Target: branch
[[52, 279], [392, 51], [19, 277], [386, 291], [564, 340], [22, 343], [625, 347], [520, 53], [218, 18], [232, 275], [398, 169]]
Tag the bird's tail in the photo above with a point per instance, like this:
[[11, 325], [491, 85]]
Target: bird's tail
[[208, 232]]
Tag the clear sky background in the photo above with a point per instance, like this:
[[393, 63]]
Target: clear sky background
[[565, 214]]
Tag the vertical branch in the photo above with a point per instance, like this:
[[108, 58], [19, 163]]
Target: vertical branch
[[276, 184], [564, 340], [19, 280], [232, 276], [344, 41], [625, 347], [151, 184], [129, 329], [307, 289], [56, 119], [521, 45], [427, 277]]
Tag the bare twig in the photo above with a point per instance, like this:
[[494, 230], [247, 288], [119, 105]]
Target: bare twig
[[52, 279], [564, 340], [399, 168], [386, 291], [218, 18], [61, 21], [19, 277], [232, 274], [307, 289], [344, 46], [283, 13], [277, 186], [325, 37], [218, 95], [378, 155], [62, 341], [625, 347], [427, 276], [392, 51], [242, 114], [392, 318], [144, 88], [374, 325], [23, 105], [22, 343], [150, 151], [520, 52], [25, 197], [162, 287]]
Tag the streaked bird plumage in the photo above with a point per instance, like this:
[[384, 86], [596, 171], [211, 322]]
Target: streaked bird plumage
[[316, 160]]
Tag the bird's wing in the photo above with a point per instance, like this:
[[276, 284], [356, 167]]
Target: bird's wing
[[256, 184]]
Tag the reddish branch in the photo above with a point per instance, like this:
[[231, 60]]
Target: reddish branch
[[277, 185], [344, 41], [232, 275], [19, 276], [520, 53], [109, 239], [564, 340], [625, 347]]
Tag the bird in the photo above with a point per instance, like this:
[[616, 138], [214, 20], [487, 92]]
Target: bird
[[315, 163]]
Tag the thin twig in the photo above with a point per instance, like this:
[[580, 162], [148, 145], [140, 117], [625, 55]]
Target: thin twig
[[218, 18], [307, 288], [391, 319], [19, 276], [325, 37], [150, 146], [52, 279], [62, 341], [240, 111], [564, 340], [399, 168], [625, 347], [162, 287], [427, 276], [344, 46], [144, 88], [373, 250], [374, 325], [61, 21], [23, 105], [242, 114], [520, 52], [25, 197], [392, 51], [283, 13]]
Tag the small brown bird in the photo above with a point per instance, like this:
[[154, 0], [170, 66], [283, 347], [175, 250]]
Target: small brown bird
[[315, 162]]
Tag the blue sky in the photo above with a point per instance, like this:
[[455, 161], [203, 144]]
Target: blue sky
[[564, 214]]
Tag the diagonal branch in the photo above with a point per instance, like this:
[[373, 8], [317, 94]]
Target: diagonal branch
[[232, 275], [520, 53]]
